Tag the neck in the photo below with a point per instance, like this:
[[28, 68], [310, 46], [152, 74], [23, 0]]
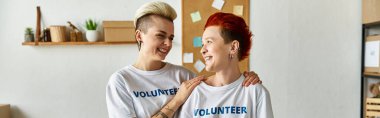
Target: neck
[[226, 76], [146, 64]]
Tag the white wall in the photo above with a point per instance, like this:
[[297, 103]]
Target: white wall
[[308, 55], [306, 52]]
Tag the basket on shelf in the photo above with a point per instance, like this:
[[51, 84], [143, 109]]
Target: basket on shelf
[[58, 33], [372, 107]]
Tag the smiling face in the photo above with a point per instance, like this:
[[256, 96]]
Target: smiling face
[[214, 51], [156, 41]]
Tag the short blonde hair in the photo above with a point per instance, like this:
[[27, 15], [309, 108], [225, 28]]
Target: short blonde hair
[[155, 8]]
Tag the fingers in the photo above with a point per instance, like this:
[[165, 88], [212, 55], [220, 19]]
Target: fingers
[[193, 81], [249, 81], [199, 78], [245, 73], [251, 73], [249, 77], [245, 81], [202, 78], [255, 81], [193, 85]]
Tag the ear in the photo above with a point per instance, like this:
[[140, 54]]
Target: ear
[[138, 34], [235, 47]]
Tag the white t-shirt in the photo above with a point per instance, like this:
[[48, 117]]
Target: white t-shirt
[[229, 101], [136, 93]]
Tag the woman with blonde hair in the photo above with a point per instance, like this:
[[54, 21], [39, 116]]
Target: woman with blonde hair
[[151, 87]]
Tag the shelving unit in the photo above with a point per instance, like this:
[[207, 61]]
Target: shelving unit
[[74, 43], [370, 107], [117, 33], [370, 74]]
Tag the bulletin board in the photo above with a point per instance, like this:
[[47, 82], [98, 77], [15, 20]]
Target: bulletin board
[[194, 16]]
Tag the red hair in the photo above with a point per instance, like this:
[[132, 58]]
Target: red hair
[[232, 28]]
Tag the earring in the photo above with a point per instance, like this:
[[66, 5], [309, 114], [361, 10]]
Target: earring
[[231, 56], [139, 44]]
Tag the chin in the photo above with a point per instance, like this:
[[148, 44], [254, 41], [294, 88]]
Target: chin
[[209, 69], [162, 58]]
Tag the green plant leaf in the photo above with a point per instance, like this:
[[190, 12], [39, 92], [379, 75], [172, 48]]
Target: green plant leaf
[[91, 24]]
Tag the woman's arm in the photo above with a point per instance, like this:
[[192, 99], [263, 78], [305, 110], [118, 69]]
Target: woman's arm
[[183, 93]]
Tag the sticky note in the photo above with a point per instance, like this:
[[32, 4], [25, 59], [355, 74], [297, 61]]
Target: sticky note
[[372, 54], [197, 42], [238, 10], [195, 16], [218, 4], [188, 57], [199, 66]]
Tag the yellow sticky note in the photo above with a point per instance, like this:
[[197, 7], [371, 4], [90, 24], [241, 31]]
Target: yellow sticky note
[[238, 10], [195, 16]]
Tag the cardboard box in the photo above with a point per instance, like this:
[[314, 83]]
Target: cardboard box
[[371, 11], [372, 54], [119, 31], [5, 111]]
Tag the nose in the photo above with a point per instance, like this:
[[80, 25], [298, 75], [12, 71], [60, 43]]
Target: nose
[[168, 42], [203, 50]]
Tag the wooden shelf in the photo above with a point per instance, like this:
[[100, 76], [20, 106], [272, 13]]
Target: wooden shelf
[[371, 74], [374, 23], [74, 43]]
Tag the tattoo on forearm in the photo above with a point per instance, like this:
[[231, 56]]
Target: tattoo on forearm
[[168, 108], [162, 114]]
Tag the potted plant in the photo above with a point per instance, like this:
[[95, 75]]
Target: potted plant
[[91, 32], [29, 36]]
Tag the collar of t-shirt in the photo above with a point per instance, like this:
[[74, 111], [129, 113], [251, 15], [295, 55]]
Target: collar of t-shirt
[[237, 82], [153, 72]]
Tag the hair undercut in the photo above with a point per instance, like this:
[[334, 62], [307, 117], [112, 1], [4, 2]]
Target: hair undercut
[[144, 14], [232, 28]]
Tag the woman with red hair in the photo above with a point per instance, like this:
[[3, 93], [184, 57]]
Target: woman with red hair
[[226, 41]]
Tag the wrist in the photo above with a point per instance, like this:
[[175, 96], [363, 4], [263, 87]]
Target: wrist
[[177, 101], [175, 104]]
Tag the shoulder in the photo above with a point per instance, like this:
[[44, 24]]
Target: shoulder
[[259, 90], [119, 77]]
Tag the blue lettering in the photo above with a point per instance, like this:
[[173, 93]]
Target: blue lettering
[[147, 93], [154, 94], [226, 109], [160, 91], [214, 110], [171, 91], [238, 110], [196, 112], [220, 110], [142, 94], [175, 90], [207, 112], [244, 109], [202, 112], [232, 109], [136, 93]]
